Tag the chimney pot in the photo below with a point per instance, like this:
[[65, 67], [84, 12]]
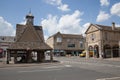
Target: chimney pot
[[113, 25]]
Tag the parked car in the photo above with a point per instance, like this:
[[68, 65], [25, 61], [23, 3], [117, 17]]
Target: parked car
[[83, 54]]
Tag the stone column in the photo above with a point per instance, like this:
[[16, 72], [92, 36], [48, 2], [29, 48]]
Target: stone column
[[101, 52], [29, 56], [15, 57], [51, 56], [7, 56], [111, 52], [40, 56], [87, 51]]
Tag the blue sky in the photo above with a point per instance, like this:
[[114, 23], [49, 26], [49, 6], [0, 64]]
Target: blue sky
[[66, 16]]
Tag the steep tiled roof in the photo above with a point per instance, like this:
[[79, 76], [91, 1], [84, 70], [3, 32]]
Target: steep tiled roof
[[29, 37]]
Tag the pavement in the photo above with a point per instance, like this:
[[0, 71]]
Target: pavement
[[11, 64], [69, 68], [113, 59], [4, 65]]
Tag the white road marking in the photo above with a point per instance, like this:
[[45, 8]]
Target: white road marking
[[109, 78], [30, 71], [57, 66], [50, 68], [96, 64], [68, 66]]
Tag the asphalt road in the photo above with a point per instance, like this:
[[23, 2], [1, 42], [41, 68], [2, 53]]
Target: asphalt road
[[68, 69]]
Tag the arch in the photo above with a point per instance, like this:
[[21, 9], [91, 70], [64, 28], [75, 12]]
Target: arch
[[107, 51], [91, 48], [96, 51]]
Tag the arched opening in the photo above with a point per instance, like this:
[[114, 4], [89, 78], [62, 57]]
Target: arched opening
[[96, 51], [107, 51], [91, 50], [115, 51]]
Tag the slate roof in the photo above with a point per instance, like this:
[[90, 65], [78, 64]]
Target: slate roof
[[67, 35], [103, 27]]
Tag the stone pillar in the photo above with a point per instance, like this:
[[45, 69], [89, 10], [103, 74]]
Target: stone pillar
[[111, 52], [29, 56], [51, 56], [7, 56], [15, 57], [40, 56], [101, 52], [87, 51]]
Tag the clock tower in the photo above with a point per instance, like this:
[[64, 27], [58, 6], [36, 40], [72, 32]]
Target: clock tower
[[29, 18]]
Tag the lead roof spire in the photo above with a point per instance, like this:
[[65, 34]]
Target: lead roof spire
[[29, 18]]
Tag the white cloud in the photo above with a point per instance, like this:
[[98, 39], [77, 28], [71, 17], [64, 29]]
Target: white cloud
[[117, 25], [59, 4], [104, 2], [63, 7], [24, 21], [6, 29], [115, 10], [102, 16], [69, 24]]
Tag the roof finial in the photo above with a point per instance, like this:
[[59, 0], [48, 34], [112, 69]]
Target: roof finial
[[30, 11], [30, 14]]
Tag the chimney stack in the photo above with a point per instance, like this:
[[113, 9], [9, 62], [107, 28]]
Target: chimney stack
[[113, 25]]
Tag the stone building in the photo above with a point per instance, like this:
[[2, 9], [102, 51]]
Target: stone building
[[29, 39], [103, 40], [5, 42], [63, 44]]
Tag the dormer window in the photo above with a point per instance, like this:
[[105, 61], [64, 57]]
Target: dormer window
[[59, 39]]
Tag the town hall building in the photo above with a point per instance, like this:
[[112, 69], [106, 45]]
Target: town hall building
[[103, 40]]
